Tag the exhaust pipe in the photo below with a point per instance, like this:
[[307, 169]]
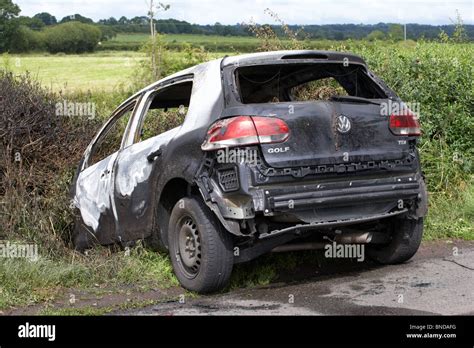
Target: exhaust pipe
[[354, 238], [299, 246]]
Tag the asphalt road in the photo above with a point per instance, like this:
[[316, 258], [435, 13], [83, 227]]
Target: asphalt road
[[438, 280]]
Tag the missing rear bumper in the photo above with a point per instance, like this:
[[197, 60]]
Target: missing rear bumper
[[300, 228]]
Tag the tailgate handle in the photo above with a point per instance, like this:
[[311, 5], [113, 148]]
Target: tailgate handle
[[152, 156]]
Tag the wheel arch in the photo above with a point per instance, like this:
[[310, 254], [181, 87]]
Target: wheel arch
[[174, 189]]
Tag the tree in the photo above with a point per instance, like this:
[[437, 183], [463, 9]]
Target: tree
[[111, 21], [46, 18], [123, 20], [32, 23], [72, 37], [376, 35], [108, 32], [27, 40], [459, 34], [142, 20], [8, 25], [395, 32], [76, 18], [338, 35], [155, 56]]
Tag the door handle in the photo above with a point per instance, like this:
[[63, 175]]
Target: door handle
[[152, 156]]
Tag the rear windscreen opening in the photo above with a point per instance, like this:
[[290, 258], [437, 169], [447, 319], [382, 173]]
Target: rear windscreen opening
[[304, 82]]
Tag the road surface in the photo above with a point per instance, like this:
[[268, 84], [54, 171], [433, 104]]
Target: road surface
[[438, 280]]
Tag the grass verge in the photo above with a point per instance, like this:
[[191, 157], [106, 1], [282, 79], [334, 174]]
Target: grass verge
[[24, 282]]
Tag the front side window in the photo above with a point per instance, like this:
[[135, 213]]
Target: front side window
[[111, 140]]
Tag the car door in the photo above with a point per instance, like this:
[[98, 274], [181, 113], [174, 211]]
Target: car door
[[94, 184], [139, 164]]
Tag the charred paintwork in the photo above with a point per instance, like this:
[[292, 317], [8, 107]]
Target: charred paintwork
[[320, 179]]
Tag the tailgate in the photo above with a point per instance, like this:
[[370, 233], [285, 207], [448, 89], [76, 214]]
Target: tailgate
[[317, 136]]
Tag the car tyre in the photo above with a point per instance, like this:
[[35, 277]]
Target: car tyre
[[406, 235], [200, 250]]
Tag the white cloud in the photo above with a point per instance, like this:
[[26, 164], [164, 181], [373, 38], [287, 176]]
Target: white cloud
[[292, 11]]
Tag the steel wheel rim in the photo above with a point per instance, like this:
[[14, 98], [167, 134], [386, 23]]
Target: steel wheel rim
[[188, 248]]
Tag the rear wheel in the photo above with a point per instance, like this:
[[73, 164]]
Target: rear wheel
[[200, 251], [405, 240]]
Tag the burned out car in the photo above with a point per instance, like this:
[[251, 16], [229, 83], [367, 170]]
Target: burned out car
[[239, 156]]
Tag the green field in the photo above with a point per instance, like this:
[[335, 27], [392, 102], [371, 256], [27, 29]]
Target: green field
[[99, 71], [208, 41], [190, 38], [211, 43]]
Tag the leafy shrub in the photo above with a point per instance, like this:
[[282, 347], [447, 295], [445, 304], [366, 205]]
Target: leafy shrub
[[440, 78], [166, 63], [72, 37], [27, 40]]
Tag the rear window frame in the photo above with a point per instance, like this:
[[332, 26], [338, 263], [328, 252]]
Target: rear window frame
[[234, 84]]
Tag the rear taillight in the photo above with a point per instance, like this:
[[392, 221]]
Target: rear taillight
[[405, 124], [245, 130]]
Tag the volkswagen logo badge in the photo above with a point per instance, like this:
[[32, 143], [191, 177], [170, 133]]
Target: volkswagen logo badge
[[343, 124]]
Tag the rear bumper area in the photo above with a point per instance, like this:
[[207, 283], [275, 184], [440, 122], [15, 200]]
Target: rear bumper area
[[330, 202], [243, 203], [337, 194]]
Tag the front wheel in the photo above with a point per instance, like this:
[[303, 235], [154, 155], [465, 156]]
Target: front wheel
[[405, 240], [200, 251]]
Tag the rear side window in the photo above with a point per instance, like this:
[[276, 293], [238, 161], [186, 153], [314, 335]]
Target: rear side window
[[304, 82], [166, 110]]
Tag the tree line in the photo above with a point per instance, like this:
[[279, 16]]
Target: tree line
[[140, 24]]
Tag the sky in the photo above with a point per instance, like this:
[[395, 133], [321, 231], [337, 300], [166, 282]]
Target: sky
[[302, 12]]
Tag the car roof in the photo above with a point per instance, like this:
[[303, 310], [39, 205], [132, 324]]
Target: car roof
[[292, 55]]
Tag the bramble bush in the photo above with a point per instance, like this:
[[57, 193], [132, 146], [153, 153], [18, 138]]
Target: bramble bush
[[39, 150]]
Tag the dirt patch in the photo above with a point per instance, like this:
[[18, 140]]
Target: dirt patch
[[100, 301]]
